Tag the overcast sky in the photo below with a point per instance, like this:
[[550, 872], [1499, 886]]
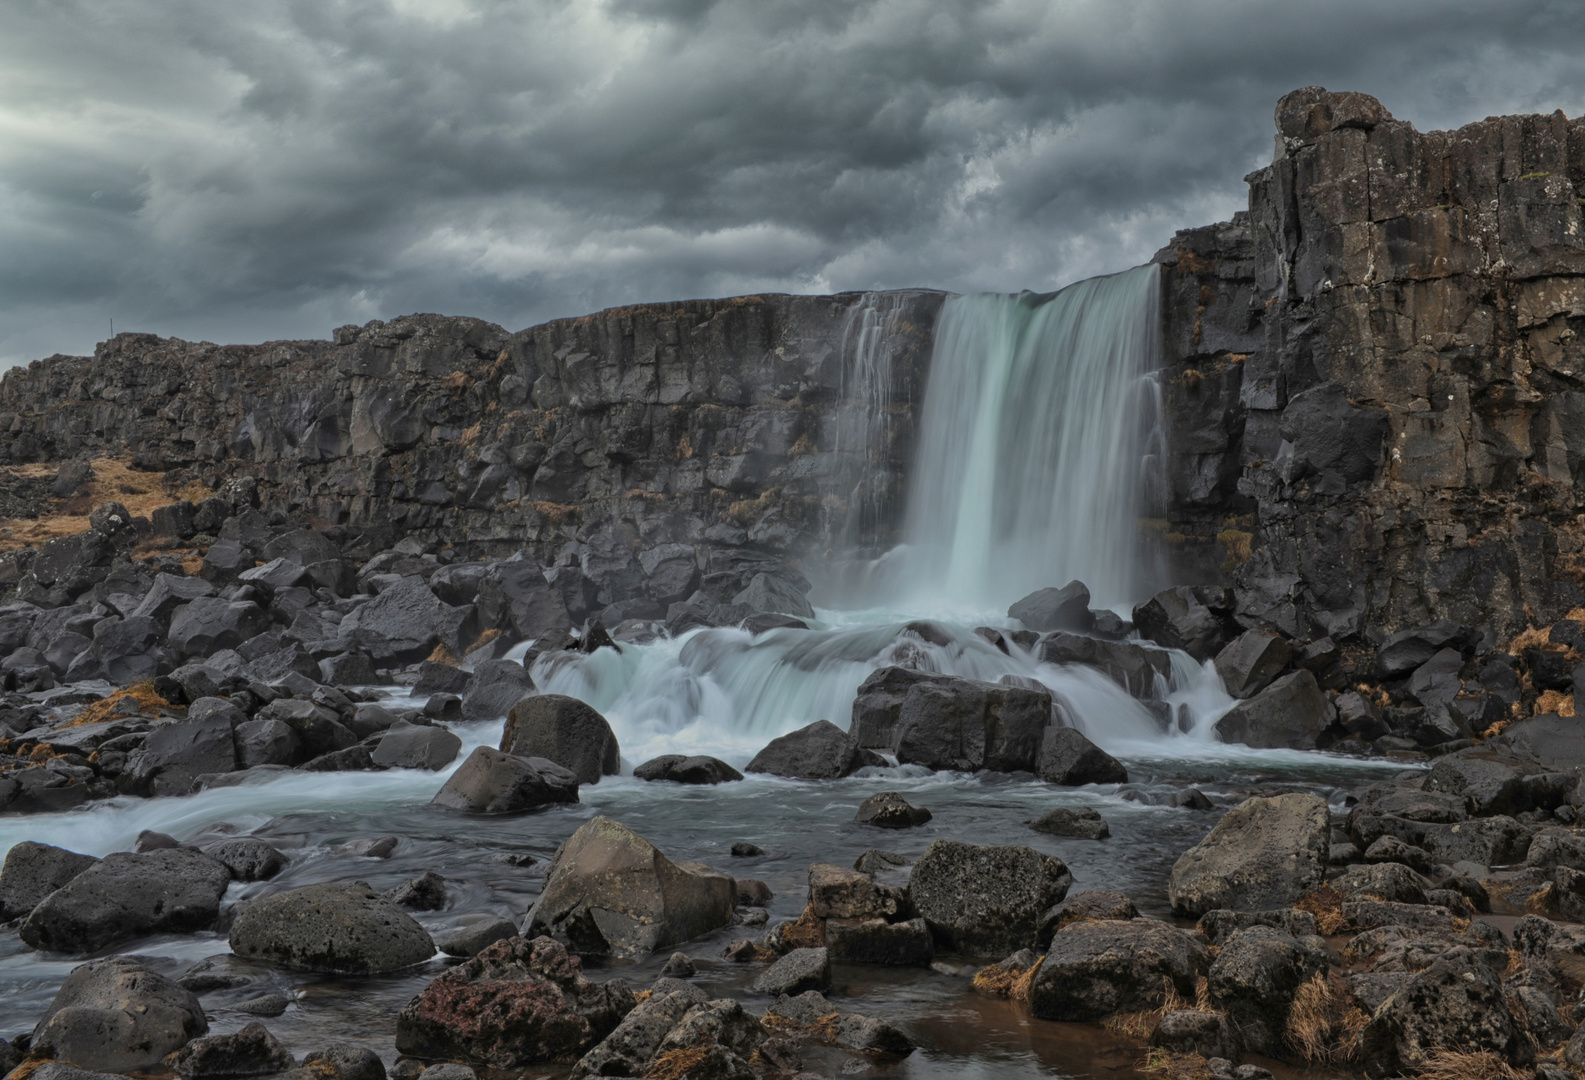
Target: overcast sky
[[276, 168]]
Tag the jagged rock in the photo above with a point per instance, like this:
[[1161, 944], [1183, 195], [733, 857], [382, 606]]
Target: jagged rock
[[495, 686], [776, 595], [251, 1051], [514, 595], [1089, 904], [564, 730], [1255, 978], [490, 782], [610, 892], [124, 896], [1066, 757], [206, 625], [889, 810], [176, 754], [339, 928], [821, 751], [1067, 608], [962, 724], [267, 742], [408, 746], [122, 651], [1185, 617], [115, 1015], [1455, 1004], [248, 859], [319, 728], [985, 901], [880, 700], [1290, 713], [32, 871], [1264, 853], [1251, 661], [1407, 650], [412, 620], [1096, 968], [796, 972], [1084, 822], [698, 769], [635, 1041], [519, 1002], [427, 892]]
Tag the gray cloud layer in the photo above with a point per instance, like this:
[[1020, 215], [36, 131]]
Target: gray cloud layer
[[276, 168]]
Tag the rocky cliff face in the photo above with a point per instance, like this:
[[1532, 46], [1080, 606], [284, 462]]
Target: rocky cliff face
[[1375, 384], [749, 430]]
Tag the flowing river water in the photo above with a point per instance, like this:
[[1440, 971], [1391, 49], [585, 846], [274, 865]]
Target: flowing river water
[[1035, 455]]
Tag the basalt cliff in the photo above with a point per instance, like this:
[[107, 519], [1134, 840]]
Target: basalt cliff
[[1374, 403]]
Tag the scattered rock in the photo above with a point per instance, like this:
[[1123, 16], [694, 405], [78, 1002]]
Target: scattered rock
[[1068, 758], [1255, 978], [799, 970], [1096, 968], [681, 769], [409, 746], [334, 927], [427, 892], [251, 1051], [475, 934], [490, 782], [889, 810], [1084, 822], [821, 751], [494, 687], [248, 859]]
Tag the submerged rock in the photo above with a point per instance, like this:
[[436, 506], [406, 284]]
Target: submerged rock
[[889, 810], [611, 892], [1084, 822]]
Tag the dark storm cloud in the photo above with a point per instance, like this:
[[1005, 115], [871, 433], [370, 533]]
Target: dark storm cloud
[[276, 168]]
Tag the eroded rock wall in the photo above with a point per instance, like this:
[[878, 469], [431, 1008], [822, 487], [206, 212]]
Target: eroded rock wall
[[1375, 384]]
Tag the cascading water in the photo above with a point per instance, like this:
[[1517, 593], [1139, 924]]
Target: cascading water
[[1033, 446], [862, 435]]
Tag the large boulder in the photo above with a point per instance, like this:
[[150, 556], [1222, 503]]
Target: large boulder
[[680, 769], [1067, 608], [968, 725], [1187, 617], [564, 730], [412, 746], [879, 702], [1256, 977], [821, 751], [1290, 714], [1455, 1004], [412, 620], [341, 928], [124, 896], [1066, 757], [986, 901], [610, 892], [836, 892], [493, 688], [1251, 661], [1138, 670], [490, 782], [116, 1016], [33, 871], [1407, 650], [208, 624], [513, 595], [1096, 968], [1265, 853], [175, 755], [519, 1002]]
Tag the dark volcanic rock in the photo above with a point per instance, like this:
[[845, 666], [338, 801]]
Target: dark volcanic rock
[[564, 730], [1097, 967], [124, 896], [490, 782], [250, 1051], [409, 746], [968, 725], [177, 754], [1255, 978], [699, 769], [889, 810], [494, 687], [986, 901], [1084, 822], [1067, 608], [519, 1002], [33, 871], [341, 928], [821, 751], [1290, 713], [249, 859], [796, 972], [115, 1015], [1066, 757], [1251, 661], [1264, 853]]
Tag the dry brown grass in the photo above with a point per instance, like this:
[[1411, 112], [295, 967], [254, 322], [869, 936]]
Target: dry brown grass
[[105, 708], [1323, 1024], [677, 1064], [1534, 637], [1326, 904], [809, 932], [1176, 1066], [1554, 701], [1140, 1025], [642, 996], [443, 655], [114, 481], [1006, 982], [1457, 1065]]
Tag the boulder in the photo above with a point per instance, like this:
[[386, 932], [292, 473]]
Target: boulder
[[838, 893], [1290, 714], [698, 769], [1067, 608], [519, 1002], [876, 941], [1138, 670], [1488, 785], [1186, 617], [208, 624], [715, 1039], [250, 1051], [267, 742], [490, 782], [610, 892], [1454, 1004], [1089, 904], [889, 810], [248, 859], [1406, 650], [169, 592], [564, 730], [335, 927], [426, 892], [412, 620], [175, 755], [879, 701], [1097, 968], [122, 651], [985, 901], [796, 972], [409, 746], [821, 751], [124, 896], [968, 725], [457, 584], [1191, 1031], [1389, 881], [1066, 757], [1251, 661], [1264, 853], [493, 688], [346, 1062], [514, 596], [776, 595], [1255, 978], [32, 871], [438, 678], [628, 1049], [1083, 822], [115, 1015]]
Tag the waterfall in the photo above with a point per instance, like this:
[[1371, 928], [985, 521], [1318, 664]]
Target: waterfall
[[1033, 446], [866, 482]]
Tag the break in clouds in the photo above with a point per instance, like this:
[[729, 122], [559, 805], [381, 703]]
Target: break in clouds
[[237, 172]]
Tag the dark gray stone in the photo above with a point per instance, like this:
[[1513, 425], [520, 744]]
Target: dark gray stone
[[125, 896], [1068, 758], [338, 928], [564, 730], [490, 782], [1067, 608], [986, 901]]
